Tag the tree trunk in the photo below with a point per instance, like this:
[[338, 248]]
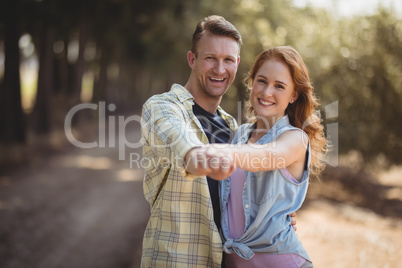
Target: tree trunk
[[61, 73], [79, 66], [42, 110], [101, 83], [13, 123]]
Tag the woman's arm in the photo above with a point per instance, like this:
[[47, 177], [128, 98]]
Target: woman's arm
[[288, 149], [218, 161]]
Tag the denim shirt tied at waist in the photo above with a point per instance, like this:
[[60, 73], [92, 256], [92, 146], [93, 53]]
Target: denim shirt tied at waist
[[268, 198]]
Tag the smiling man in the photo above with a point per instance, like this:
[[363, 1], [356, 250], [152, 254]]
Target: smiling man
[[214, 63], [183, 230]]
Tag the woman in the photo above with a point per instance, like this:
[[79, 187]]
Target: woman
[[274, 155]]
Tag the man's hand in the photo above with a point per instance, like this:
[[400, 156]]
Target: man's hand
[[211, 161]]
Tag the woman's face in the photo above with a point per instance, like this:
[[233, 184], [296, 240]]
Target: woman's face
[[272, 91]]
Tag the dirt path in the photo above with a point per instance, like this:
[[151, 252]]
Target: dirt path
[[82, 209], [341, 236], [337, 233], [85, 209]]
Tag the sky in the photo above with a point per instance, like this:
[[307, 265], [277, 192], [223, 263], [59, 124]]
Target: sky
[[353, 7]]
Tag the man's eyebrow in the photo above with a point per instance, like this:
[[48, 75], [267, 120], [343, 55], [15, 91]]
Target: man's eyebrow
[[207, 53]]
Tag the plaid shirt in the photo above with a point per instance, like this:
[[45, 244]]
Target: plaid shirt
[[181, 231]]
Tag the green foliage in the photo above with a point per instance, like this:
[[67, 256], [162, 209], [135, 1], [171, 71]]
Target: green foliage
[[370, 86], [356, 60]]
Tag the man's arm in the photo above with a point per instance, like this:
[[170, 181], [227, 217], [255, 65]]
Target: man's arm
[[166, 132], [165, 128]]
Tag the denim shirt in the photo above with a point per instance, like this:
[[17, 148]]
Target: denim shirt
[[268, 198]]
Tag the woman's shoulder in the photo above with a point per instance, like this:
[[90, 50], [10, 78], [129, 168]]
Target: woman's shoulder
[[295, 132], [294, 137]]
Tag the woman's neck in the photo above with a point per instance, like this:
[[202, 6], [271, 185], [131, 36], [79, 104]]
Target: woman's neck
[[267, 122]]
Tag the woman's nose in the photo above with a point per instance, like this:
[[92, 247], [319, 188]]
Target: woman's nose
[[268, 91]]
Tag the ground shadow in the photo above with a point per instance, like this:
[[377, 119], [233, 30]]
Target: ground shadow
[[345, 184]]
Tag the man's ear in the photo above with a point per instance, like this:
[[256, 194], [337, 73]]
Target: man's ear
[[191, 59]]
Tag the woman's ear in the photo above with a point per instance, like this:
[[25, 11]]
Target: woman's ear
[[294, 97]]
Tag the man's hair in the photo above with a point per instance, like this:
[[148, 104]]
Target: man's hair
[[216, 25]]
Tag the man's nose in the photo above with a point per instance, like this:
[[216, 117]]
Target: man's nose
[[220, 67]]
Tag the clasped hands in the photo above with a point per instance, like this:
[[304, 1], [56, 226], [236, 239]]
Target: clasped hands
[[216, 162]]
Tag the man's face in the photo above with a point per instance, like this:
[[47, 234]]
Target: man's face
[[215, 65]]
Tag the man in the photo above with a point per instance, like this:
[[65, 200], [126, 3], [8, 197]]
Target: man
[[183, 229]]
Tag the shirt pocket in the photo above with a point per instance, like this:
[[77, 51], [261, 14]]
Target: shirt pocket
[[260, 188]]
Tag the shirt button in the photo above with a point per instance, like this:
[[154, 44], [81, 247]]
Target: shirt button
[[246, 206]]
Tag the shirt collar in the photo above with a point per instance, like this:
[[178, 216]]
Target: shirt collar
[[182, 93], [244, 136]]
